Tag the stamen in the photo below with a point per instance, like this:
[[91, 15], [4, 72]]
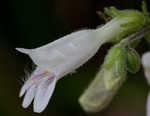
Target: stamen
[[36, 78], [47, 73]]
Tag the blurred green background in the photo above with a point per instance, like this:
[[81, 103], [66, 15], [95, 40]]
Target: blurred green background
[[32, 23]]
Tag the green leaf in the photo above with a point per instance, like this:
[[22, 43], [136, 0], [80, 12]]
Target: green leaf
[[133, 61]]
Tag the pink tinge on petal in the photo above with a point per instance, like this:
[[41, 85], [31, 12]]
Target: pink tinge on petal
[[28, 83], [34, 88], [35, 79], [49, 79], [44, 93]]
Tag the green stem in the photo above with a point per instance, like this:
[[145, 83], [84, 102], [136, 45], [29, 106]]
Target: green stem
[[138, 35]]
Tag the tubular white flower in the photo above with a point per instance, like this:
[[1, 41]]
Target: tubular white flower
[[148, 105], [62, 57], [54, 61], [146, 66]]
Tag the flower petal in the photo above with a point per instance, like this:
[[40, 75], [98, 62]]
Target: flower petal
[[22, 91], [29, 82], [29, 97], [44, 93], [146, 65], [25, 51], [148, 105]]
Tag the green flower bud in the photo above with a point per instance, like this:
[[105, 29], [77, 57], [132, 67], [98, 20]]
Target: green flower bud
[[107, 81], [133, 61], [136, 20], [113, 71], [114, 66]]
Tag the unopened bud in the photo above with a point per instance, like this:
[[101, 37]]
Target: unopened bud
[[106, 83], [133, 61]]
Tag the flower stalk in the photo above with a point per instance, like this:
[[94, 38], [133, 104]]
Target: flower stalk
[[102, 89]]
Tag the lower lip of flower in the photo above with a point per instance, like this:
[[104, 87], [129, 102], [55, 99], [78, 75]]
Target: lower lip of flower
[[36, 78]]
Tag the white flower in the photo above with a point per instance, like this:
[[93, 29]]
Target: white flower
[[148, 105], [62, 57], [146, 65], [54, 61]]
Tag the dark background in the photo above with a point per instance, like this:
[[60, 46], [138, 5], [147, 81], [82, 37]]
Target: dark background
[[32, 23]]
